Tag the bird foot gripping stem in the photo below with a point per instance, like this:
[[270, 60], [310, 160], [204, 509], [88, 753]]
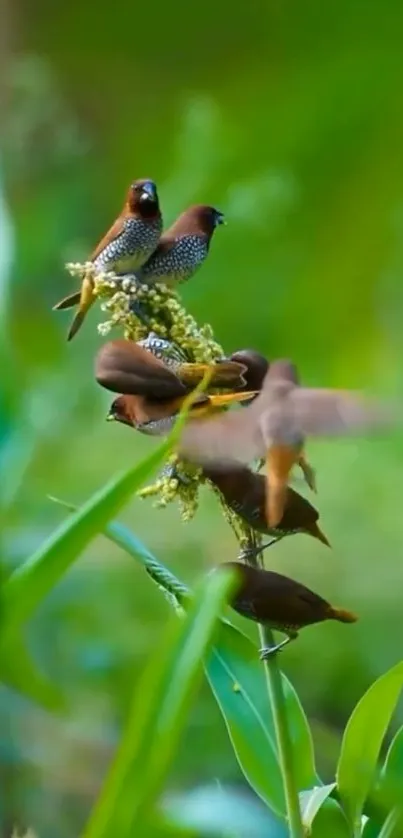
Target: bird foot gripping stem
[[269, 651], [248, 553]]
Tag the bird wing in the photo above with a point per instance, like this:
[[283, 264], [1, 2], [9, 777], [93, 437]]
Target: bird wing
[[229, 437], [113, 233], [124, 367], [317, 412]]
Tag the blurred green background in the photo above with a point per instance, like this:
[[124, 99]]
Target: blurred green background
[[288, 117]]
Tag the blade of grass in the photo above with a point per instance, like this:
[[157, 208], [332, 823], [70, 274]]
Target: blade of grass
[[157, 717]]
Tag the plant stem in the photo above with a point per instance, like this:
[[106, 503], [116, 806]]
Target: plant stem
[[276, 697]]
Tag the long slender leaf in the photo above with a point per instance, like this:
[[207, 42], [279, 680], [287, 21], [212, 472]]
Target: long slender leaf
[[157, 717], [362, 742], [33, 580]]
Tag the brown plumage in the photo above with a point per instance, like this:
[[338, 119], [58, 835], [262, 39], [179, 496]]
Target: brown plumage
[[244, 491], [279, 602], [126, 367], [257, 367], [156, 417], [125, 247], [274, 426], [182, 248]]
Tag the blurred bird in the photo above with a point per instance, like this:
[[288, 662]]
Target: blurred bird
[[273, 427], [124, 366], [280, 603], [125, 247], [244, 491], [153, 394], [183, 248], [257, 367]]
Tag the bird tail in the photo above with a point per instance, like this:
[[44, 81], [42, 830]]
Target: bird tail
[[68, 302], [316, 532], [86, 301], [342, 615], [223, 374]]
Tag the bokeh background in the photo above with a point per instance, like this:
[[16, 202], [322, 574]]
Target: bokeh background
[[287, 116]]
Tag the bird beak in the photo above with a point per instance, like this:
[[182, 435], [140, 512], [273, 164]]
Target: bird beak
[[149, 190], [220, 218], [110, 417]]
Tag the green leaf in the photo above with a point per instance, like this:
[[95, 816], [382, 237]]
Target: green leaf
[[371, 829], [362, 742], [157, 716], [237, 679], [19, 673], [312, 800], [330, 821], [33, 580]]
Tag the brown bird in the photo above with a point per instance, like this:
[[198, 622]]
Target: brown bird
[[274, 426], [244, 491], [124, 366], [153, 394], [125, 247], [280, 603], [183, 248], [257, 367], [156, 417]]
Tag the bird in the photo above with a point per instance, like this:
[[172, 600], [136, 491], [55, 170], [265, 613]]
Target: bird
[[182, 248], [126, 367], [129, 242], [274, 426], [243, 490], [257, 367], [156, 417], [151, 394], [279, 602]]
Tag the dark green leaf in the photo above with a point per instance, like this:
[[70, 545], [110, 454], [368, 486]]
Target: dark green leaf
[[18, 672], [362, 742]]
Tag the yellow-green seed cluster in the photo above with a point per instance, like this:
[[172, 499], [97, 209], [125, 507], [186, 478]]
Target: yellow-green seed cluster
[[167, 317]]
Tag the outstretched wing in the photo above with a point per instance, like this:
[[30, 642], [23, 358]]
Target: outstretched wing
[[332, 412]]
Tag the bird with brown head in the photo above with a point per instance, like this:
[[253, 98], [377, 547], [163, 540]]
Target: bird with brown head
[[279, 602], [129, 242]]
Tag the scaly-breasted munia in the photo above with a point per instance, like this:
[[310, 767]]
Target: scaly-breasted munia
[[244, 491], [125, 247], [279, 603], [183, 248], [153, 394], [274, 426], [256, 369], [124, 366]]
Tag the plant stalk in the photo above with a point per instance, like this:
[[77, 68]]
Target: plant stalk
[[276, 697]]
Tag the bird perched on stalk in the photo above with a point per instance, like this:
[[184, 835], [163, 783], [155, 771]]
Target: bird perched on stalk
[[244, 491], [182, 248], [279, 602], [153, 394], [129, 242], [257, 367], [274, 426]]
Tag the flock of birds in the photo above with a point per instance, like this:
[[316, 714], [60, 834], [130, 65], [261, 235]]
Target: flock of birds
[[152, 377]]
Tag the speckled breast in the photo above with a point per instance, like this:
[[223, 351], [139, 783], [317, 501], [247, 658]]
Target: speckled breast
[[157, 427], [164, 350], [178, 263], [132, 248]]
